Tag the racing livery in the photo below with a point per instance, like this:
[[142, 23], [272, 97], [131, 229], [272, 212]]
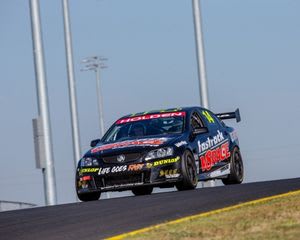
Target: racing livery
[[167, 148]]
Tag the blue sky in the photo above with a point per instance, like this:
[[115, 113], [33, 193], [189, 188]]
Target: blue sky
[[252, 57]]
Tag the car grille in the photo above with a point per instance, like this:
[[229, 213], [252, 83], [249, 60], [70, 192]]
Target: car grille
[[122, 179], [129, 157]]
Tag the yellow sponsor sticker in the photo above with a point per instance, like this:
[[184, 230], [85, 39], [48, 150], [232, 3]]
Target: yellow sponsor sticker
[[149, 165], [165, 161], [88, 170], [168, 172]]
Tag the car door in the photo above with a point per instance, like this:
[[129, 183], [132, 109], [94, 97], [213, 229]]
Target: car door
[[196, 122], [213, 147]]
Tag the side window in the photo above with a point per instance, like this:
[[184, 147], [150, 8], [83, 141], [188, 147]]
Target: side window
[[218, 121], [196, 121]]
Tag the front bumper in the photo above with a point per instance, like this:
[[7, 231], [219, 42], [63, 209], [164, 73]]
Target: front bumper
[[162, 172]]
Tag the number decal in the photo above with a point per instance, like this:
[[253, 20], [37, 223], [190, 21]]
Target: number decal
[[207, 115]]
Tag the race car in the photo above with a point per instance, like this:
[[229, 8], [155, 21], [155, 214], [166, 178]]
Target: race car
[[172, 147]]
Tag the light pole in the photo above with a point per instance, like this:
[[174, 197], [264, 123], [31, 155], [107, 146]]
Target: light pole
[[71, 84], [203, 88], [95, 64], [43, 119]]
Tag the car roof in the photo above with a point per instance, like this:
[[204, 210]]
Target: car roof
[[178, 109]]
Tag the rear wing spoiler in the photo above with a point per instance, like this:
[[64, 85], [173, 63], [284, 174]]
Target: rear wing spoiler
[[230, 115]]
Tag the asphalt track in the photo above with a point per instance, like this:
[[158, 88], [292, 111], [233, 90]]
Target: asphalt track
[[105, 218]]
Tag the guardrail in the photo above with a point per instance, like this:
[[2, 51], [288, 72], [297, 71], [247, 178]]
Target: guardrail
[[11, 205]]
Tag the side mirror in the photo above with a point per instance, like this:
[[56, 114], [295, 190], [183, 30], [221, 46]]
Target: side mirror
[[94, 142], [198, 131]]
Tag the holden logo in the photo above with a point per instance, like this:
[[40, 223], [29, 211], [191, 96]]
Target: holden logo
[[121, 158]]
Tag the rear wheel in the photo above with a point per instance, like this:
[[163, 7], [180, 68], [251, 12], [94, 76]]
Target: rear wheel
[[189, 172], [144, 190], [86, 197], [236, 175]]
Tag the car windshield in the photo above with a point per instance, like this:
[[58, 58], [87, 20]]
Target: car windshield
[[146, 125]]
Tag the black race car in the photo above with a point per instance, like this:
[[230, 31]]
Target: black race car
[[167, 148]]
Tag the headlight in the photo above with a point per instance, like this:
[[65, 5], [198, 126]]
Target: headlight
[[159, 153], [89, 162]]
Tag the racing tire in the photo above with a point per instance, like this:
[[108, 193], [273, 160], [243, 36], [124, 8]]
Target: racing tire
[[144, 190], [86, 197], [189, 172], [236, 175]]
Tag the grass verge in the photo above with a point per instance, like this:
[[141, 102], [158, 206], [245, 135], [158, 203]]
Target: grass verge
[[277, 218]]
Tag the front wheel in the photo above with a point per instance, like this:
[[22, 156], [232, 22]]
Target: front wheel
[[143, 190], [86, 197], [236, 175], [189, 172]]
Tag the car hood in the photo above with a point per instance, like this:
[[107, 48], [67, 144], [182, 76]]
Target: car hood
[[133, 145]]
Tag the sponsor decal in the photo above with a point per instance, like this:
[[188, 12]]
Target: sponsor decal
[[135, 167], [103, 171], [233, 136], [130, 143], [208, 117], [155, 111], [150, 116], [86, 178], [179, 144], [116, 169], [149, 165], [169, 173], [165, 161], [212, 157], [88, 170], [210, 142], [220, 172], [122, 185], [83, 182], [176, 175]]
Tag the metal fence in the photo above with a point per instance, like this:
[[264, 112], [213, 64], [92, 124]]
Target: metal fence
[[9, 205]]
